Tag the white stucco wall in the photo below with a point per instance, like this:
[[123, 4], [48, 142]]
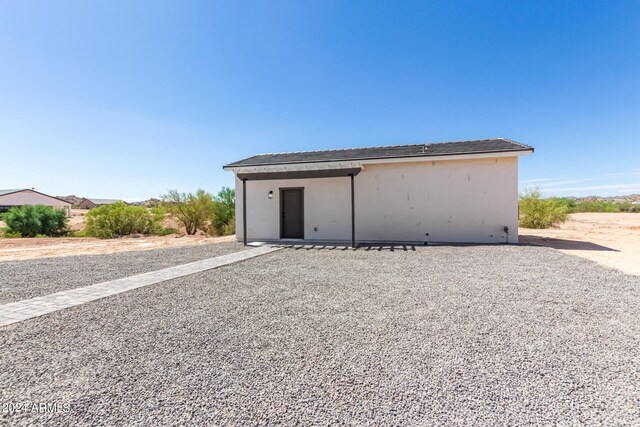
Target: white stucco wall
[[327, 208], [451, 200]]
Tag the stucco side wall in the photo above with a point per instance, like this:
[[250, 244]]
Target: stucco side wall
[[435, 201], [452, 201]]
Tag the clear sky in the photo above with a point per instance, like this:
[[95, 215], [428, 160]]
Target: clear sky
[[126, 99]]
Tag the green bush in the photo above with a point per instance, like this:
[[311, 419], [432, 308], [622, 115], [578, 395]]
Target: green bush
[[9, 235], [34, 220], [120, 219], [629, 207], [224, 212], [567, 202], [73, 233], [596, 206], [536, 212], [166, 231], [574, 206], [230, 227], [194, 211]]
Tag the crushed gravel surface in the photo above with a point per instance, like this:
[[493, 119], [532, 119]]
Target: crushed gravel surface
[[488, 335], [33, 278]]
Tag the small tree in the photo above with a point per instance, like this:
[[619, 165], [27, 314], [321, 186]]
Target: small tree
[[224, 211], [536, 212], [194, 211], [34, 220], [120, 219]]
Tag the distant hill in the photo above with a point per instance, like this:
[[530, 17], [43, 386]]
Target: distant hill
[[152, 202], [74, 200], [632, 198]]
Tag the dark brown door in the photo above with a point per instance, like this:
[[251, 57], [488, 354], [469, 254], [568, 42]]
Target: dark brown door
[[291, 213]]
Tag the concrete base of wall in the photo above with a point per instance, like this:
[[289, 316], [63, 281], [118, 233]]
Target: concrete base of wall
[[307, 242]]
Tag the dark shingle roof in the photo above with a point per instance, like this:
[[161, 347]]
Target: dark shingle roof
[[498, 145]]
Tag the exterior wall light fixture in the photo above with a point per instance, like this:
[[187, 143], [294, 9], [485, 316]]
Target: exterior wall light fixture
[[270, 195]]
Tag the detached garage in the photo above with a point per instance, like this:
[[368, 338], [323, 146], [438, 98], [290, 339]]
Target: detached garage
[[454, 192]]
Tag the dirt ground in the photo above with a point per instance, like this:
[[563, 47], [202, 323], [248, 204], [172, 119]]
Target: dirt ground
[[16, 249], [76, 222], [611, 239]]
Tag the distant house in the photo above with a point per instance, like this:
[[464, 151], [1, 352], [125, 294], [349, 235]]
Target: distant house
[[94, 203], [20, 197]]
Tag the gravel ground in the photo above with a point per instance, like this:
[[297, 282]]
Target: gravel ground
[[440, 335], [32, 278]]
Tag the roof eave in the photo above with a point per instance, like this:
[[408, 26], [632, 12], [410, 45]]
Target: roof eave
[[526, 150]]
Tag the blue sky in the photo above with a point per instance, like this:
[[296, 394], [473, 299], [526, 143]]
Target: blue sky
[[128, 99]]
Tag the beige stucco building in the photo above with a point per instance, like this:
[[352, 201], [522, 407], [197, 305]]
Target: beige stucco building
[[456, 192], [20, 197]]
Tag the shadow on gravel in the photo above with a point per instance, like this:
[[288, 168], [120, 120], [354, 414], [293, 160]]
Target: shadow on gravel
[[316, 247], [562, 243], [365, 247], [389, 247], [525, 240]]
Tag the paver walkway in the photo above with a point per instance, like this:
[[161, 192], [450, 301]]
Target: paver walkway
[[26, 309]]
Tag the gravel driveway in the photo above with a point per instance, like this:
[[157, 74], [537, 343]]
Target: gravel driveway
[[32, 278], [440, 335]]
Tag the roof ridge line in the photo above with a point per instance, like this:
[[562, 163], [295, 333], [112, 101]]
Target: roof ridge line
[[385, 146], [470, 146]]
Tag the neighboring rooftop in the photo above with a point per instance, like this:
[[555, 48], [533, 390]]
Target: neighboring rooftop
[[101, 201], [498, 145], [3, 192], [19, 190]]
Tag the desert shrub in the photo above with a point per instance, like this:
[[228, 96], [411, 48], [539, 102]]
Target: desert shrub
[[629, 207], [166, 231], [567, 202], [8, 234], [596, 206], [537, 212], [34, 220], [230, 227], [223, 211], [194, 211], [120, 219]]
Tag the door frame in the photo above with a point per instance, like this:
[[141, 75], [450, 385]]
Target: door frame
[[281, 189]]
